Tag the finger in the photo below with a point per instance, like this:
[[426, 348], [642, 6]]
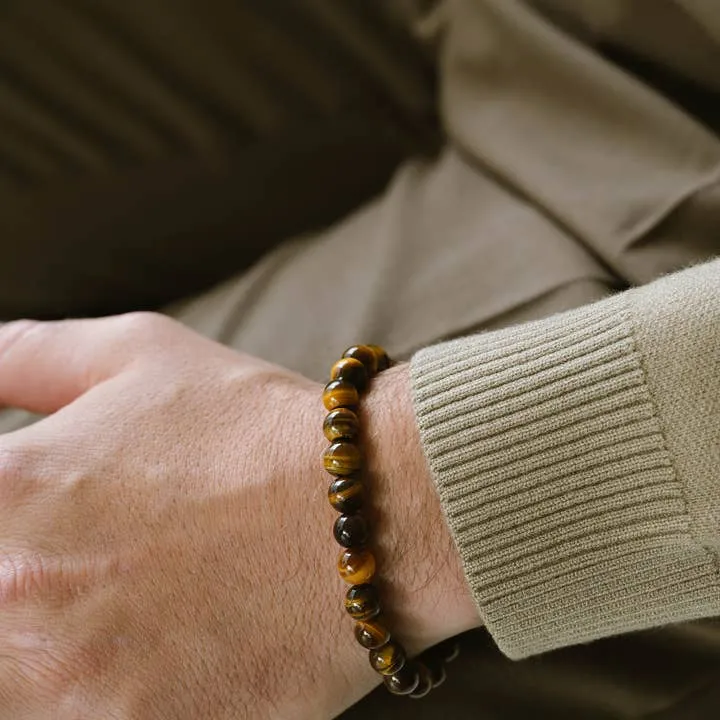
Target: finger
[[46, 365]]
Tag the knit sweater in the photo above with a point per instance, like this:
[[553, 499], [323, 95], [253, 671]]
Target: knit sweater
[[577, 459]]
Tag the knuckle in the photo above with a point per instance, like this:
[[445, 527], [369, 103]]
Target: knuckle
[[146, 329], [143, 322]]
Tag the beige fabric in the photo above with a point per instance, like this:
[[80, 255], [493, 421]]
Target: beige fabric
[[577, 461], [604, 155]]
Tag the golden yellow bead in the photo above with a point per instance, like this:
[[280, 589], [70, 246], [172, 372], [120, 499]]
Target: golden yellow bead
[[341, 424], [342, 458], [346, 494], [350, 370], [371, 634], [339, 393], [366, 355], [388, 659], [382, 360], [356, 566]]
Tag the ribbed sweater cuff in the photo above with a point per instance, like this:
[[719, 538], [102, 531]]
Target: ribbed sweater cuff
[[550, 462]]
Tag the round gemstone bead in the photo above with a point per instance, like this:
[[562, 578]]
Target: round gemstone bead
[[447, 650], [346, 494], [341, 424], [338, 393], [388, 659], [362, 602], [342, 458], [350, 370], [404, 681], [371, 634], [424, 684], [356, 566], [365, 355], [381, 357], [351, 531], [438, 675]]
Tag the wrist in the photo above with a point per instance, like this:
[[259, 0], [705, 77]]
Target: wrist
[[426, 595]]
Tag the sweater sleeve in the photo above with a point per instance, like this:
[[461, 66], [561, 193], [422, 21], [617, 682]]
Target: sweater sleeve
[[577, 459]]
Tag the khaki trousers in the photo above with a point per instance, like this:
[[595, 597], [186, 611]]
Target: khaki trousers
[[203, 158]]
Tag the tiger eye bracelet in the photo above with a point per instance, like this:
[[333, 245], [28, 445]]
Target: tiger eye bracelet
[[349, 378]]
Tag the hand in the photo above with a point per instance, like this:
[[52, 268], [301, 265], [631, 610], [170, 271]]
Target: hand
[[165, 544]]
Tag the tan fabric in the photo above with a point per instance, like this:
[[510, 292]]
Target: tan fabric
[[578, 462]]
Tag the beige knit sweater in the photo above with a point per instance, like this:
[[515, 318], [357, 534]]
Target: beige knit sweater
[[578, 463]]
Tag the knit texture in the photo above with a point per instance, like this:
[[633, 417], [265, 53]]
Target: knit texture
[[577, 462]]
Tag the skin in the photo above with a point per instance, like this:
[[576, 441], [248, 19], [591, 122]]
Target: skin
[[165, 539]]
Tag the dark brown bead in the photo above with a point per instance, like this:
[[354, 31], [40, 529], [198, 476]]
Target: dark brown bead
[[388, 659], [446, 651], [341, 423], [438, 675], [356, 566], [350, 370], [404, 681], [351, 531], [342, 458], [338, 393], [362, 602], [365, 355], [381, 357], [371, 634], [424, 684], [346, 494]]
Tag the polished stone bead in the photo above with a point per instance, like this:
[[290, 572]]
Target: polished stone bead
[[350, 370], [342, 458], [356, 566], [371, 634], [388, 659], [381, 358], [404, 681], [446, 651], [351, 531], [338, 393], [438, 675], [366, 355], [346, 494], [362, 602], [341, 423], [424, 684]]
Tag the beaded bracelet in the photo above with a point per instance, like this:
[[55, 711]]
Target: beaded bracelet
[[350, 377]]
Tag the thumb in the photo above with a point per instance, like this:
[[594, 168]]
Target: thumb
[[47, 365]]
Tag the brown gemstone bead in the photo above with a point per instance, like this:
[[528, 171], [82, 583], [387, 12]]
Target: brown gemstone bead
[[338, 393], [446, 651], [351, 531], [362, 602], [438, 675], [404, 681], [342, 458], [365, 355], [346, 494], [381, 358], [424, 684], [350, 370], [388, 659], [371, 634], [341, 423], [356, 566]]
